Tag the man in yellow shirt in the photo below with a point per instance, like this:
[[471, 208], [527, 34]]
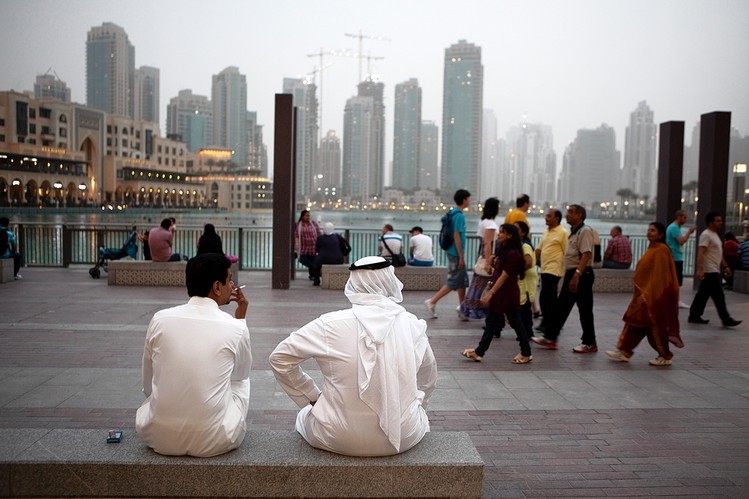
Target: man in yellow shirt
[[550, 253], [522, 205]]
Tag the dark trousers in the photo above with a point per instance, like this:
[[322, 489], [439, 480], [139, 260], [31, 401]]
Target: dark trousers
[[494, 322], [583, 298], [679, 271], [710, 287], [526, 316], [17, 259], [548, 299], [309, 262]]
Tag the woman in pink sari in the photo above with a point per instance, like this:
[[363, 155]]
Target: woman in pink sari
[[654, 309]]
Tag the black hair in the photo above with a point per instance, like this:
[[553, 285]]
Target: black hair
[[203, 270], [209, 229], [301, 215], [491, 209], [579, 209], [4, 221], [661, 230], [557, 215], [460, 196], [730, 236], [521, 200], [166, 223], [513, 244], [523, 227], [711, 216]]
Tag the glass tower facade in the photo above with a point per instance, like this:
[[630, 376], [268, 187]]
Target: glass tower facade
[[110, 70], [407, 135]]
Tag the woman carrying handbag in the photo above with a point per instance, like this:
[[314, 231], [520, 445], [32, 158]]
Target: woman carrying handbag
[[471, 308]]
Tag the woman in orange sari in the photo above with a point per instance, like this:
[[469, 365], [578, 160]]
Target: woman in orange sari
[[654, 309]]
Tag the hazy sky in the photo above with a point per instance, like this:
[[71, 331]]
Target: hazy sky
[[570, 64]]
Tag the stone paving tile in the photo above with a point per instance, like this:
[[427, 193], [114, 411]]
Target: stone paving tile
[[564, 425]]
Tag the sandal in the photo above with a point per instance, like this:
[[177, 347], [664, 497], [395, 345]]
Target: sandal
[[522, 359], [470, 353]]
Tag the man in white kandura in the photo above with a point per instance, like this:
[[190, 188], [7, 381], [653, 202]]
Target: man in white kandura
[[378, 367], [196, 367]]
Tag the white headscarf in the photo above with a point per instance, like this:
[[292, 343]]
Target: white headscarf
[[328, 228], [374, 296]]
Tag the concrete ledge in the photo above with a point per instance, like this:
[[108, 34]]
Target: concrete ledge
[[613, 281], [413, 278], [148, 273], [64, 463], [6, 270], [741, 281]]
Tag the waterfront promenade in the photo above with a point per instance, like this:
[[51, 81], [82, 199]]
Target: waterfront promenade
[[564, 425]]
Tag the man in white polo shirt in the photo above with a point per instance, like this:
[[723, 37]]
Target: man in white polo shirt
[[420, 249]]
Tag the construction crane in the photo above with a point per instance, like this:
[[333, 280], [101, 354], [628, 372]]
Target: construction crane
[[369, 58], [361, 37], [322, 67]]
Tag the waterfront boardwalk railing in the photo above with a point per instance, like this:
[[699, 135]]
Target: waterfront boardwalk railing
[[60, 245]]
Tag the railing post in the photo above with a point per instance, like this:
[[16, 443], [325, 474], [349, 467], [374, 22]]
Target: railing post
[[67, 246], [240, 248]]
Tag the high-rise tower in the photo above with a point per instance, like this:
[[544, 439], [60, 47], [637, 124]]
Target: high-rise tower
[[359, 178], [375, 90], [429, 156], [146, 98], [640, 171], [110, 70], [48, 86], [191, 117], [304, 94], [330, 165], [531, 162], [229, 99], [590, 172], [462, 106], [407, 135]]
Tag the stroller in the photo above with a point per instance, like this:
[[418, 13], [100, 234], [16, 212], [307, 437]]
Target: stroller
[[130, 248]]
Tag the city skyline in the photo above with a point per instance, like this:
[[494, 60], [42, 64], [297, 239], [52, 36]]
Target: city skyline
[[570, 65]]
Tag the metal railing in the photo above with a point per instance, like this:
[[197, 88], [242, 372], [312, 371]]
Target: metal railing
[[60, 245]]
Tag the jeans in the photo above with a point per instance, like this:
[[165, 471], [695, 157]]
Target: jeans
[[420, 263], [494, 322], [583, 298], [309, 262], [710, 287]]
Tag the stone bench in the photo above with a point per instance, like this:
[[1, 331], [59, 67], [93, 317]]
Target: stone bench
[[79, 463], [149, 273], [741, 281], [6, 270], [613, 281], [413, 278]]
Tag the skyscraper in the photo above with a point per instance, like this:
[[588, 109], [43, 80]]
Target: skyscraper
[[48, 86], [304, 94], [110, 70], [191, 117], [257, 154], [359, 173], [429, 156], [532, 162], [590, 171], [407, 135], [376, 90], [146, 94], [229, 99], [462, 106], [640, 173], [491, 177], [330, 165]]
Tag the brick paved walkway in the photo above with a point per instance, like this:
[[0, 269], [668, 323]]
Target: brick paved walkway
[[564, 425]]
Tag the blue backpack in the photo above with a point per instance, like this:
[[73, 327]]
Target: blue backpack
[[447, 238]]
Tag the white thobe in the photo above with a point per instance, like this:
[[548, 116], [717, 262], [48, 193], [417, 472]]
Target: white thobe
[[340, 421], [196, 375]]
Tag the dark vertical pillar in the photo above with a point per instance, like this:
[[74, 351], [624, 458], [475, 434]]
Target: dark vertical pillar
[[283, 199], [670, 170], [712, 180]]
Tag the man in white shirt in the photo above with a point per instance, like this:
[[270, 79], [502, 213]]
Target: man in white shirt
[[393, 240], [196, 367], [710, 262], [420, 249], [379, 370]]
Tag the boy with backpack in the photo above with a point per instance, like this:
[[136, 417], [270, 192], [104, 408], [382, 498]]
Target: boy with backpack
[[453, 241]]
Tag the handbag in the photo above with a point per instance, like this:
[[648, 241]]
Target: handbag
[[479, 267], [399, 259]]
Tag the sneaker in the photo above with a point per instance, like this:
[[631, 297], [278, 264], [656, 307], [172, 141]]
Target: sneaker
[[431, 307], [583, 348], [683, 305], [697, 320], [728, 323], [461, 315], [620, 356], [18, 277], [660, 362], [546, 343]]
